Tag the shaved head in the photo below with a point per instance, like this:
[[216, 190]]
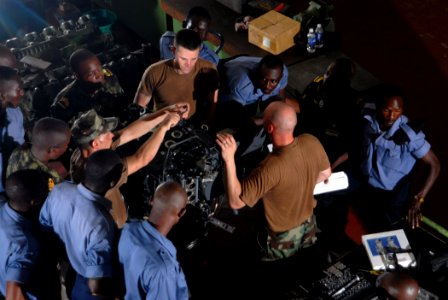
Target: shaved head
[[399, 285], [168, 205], [170, 196], [281, 115]]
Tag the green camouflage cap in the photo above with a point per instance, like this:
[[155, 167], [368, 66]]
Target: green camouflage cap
[[89, 125]]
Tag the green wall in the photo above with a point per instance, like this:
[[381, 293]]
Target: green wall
[[144, 17]]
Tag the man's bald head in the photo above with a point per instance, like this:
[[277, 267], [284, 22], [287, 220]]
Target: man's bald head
[[168, 205], [170, 196], [281, 115], [399, 285]]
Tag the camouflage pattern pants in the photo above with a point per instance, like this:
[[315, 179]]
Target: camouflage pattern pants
[[285, 244]]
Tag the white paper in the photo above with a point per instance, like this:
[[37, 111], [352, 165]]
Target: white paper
[[337, 181]]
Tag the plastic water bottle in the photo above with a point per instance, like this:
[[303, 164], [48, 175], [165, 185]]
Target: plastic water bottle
[[311, 44], [319, 36]]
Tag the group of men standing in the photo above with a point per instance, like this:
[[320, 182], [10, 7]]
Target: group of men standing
[[247, 95]]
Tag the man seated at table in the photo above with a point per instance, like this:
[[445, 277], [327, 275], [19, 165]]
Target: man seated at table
[[198, 19]]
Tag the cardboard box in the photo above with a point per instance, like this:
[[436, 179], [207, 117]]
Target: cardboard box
[[273, 32]]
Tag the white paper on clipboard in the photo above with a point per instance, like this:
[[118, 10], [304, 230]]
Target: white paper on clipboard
[[337, 181]]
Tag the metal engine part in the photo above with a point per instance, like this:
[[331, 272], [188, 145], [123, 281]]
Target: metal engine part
[[189, 156]]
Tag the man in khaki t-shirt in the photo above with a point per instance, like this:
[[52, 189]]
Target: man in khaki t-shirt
[[186, 77], [284, 181]]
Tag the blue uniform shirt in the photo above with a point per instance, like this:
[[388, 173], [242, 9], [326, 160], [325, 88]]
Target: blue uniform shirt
[[167, 44], [239, 73], [150, 266], [2, 189], [19, 249], [388, 162], [82, 221], [15, 127], [15, 130]]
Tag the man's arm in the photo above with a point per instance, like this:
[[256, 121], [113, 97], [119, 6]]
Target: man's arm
[[340, 160], [434, 169], [147, 122], [101, 287], [142, 99], [148, 150], [14, 291], [233, 186], [414, 213], [209, 118], [143, 95], [323, 175]]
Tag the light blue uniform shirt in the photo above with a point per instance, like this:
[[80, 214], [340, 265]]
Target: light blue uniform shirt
[[239, 73], [15, 130], [387, 162], [82, 221], [2, 189], [19, 249], [167, 44], [150, 266]]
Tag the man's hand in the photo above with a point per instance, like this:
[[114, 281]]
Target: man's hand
[[415, 213], [181, 108], [227, 144], [59, 168], [171, 120]]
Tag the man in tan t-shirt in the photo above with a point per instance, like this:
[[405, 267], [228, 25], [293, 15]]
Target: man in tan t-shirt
[[186, 77], [92, 133], [284, 181]]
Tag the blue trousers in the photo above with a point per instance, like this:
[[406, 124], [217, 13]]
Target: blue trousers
[[81, 290]]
